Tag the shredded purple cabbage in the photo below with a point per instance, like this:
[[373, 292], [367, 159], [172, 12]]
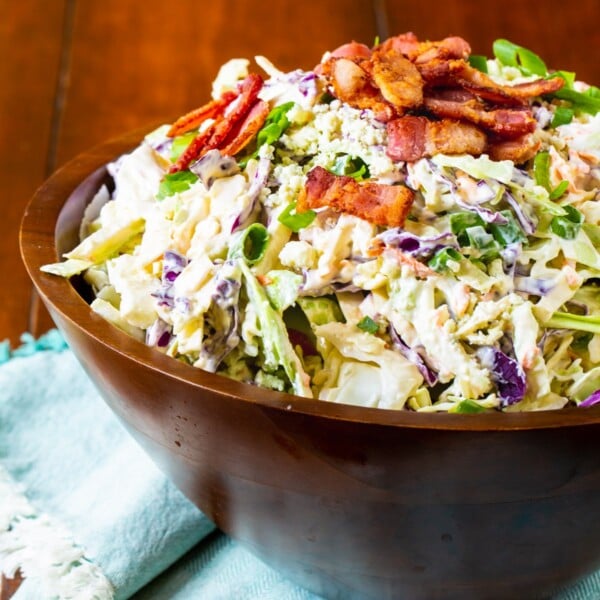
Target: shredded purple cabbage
[[421, 247], [259, 181], [509, 256], [591, 400], [505, 372], [223, 317], [159, 334], [173, 265], [526, 222], [411, 354], [533, 286], [489, 216]]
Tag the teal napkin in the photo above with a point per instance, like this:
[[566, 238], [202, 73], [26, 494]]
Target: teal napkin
[[84, 514]]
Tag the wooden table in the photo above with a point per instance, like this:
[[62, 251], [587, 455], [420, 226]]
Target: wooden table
[[75, 73]]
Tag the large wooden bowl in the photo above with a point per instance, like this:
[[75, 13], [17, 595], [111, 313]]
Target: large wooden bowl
[[349, 502]]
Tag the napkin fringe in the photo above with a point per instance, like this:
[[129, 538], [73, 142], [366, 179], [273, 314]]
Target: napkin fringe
[[45, 551], [51, 340]]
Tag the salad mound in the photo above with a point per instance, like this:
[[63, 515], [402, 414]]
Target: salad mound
[[408, 226]]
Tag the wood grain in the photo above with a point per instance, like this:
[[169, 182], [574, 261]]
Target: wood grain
[[30, 46], [124, 76], [566, 35]]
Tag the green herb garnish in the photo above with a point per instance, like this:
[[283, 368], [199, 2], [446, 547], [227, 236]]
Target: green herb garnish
[[541, 173], [296, 221], [467, 407], [568, 225], [369, 325], [439, 262], [509, 232], [251, 245], [562, 116], [275, 125], [461, 221], [478, 62], [174, 183], [351, 166], [180, 143], [525, 60]]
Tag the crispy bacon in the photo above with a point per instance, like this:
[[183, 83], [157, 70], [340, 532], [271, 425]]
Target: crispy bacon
[[397, 78], [195, 118], [448, 48], [405, 43], [352, 50], [459, 72], [518, 150], [242, 136], [194, 150], [352, 85], [504, 122], [411, 138], [386, 205], [249, 89], [220, 131]]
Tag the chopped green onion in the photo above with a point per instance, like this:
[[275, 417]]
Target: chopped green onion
[[479, 237], [275, 125], [586, 102], [296, 221], [513, 55], [351, 166], [562, 320], [567, 226], [367, 324], [541, 173], [467, 407], [559, 190], [180, 143], [562, 116], [251, 244], [439, 262], [478, 62], [582, 340], [174, 183], [507, 233], [568, 76], [541, 169], [460, 222]]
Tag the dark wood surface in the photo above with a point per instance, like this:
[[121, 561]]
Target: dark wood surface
[[76, 72]]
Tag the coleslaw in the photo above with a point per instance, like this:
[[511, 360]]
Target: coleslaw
[[274, 255]]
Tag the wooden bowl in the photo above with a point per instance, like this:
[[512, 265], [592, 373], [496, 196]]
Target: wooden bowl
[[349, 502]]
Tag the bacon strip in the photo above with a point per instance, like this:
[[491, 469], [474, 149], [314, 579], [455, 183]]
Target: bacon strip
[[249, 89], [411, 138], [195, 118], [193, 150], [218, 133], [385, 205], [352, 85], [242, 136], [448, 48], [459, 72], [518, 150], [507, 123], [398, 79]]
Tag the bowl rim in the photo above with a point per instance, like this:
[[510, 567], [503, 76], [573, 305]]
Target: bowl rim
[[38, 246]]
